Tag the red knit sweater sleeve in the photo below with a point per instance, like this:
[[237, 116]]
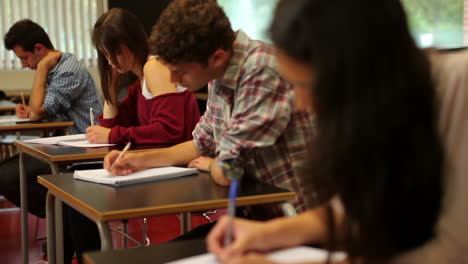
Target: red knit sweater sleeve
[[127, 111], [164, 120]]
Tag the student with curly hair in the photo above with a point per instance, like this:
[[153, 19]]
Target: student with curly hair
[[250, 114]]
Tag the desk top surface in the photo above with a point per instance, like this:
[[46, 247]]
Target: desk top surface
[[7, 108], [66, 154], [155, 254], [34, 125], [184, 194]]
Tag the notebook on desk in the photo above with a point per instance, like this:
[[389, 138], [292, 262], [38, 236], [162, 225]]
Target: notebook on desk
[[154, 174], [289, 255]]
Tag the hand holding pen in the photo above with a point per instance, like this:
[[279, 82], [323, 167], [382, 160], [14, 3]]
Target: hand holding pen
[[121, 154]]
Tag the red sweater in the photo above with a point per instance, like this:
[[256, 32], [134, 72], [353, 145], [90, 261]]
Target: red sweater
[[163, 120]]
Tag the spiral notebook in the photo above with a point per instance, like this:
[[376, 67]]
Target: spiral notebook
[[289, 255], [154, 174]]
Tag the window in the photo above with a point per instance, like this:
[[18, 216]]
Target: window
[[252, 16], [68, 23], [436, 23]]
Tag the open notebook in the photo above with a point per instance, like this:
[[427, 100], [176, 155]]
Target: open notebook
[[78, 140], [102, 176], [289, 255]]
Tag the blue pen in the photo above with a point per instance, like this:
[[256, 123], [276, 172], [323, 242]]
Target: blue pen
[[231, 211]]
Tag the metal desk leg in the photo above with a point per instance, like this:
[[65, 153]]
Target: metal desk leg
[[104, 233], [184, 223], [58, 231], [24, 210], [54, 168], [50, 217]]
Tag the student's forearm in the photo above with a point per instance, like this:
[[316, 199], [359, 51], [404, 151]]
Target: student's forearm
[[178, 155], [308, 227], [217, 174], [36, 99], [110, 110]]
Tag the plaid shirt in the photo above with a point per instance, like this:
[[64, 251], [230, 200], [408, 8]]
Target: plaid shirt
[[250, 116]]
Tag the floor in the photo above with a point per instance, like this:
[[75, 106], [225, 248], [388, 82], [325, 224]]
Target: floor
[[160, 229]]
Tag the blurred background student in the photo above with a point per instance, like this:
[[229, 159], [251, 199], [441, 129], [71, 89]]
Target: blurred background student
[[390, 141]]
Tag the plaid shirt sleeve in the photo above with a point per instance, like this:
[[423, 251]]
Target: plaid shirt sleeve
[[61, 91], [261, 113], [203, 132]]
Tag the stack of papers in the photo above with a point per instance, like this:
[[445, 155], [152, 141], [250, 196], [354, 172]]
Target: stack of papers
[[102, 176], [289, 255], [12, 119], [78, 140]]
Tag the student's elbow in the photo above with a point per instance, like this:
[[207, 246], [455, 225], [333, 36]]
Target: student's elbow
[[36, 114]]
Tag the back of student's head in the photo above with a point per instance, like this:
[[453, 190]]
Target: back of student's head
[[27, 34], [377, 144], [190, 31], [113, 29]]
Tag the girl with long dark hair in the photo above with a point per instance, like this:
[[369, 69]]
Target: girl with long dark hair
[[390, 190], [155, 111]]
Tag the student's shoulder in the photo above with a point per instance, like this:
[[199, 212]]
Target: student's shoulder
[[260, 58], [70, 64]]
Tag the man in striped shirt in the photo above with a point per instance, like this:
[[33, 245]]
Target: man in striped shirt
[[250, 114], [62, 86]]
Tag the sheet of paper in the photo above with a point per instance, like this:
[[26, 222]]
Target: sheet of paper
[[56, 140], [12, 119], [78, 140], [290, 255]]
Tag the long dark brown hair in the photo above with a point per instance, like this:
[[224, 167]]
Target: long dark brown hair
[[114, 28], [377, 144]]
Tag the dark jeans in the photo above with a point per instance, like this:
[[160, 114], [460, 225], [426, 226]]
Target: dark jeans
[[10, 184], [79, 233]]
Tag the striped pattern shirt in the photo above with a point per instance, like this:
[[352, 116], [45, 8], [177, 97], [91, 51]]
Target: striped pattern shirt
[[70, 92], [250, 116]]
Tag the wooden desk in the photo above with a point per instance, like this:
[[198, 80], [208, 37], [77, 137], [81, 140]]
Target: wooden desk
[[7, 109], [55, 156], [103, 203], [156, 254], [45, 126]]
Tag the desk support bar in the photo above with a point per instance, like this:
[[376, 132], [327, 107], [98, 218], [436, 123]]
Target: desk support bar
[[50, 216], [24, 210], [185, 224], [104, 233]]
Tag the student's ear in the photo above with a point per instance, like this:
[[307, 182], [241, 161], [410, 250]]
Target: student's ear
[[39, 48], [218, 58]]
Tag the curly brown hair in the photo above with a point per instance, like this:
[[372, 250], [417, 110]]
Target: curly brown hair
[[190, 31]]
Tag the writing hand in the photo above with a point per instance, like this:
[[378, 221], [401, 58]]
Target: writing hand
[[247, 236], [98, 134], [128, 163], [22, 111]]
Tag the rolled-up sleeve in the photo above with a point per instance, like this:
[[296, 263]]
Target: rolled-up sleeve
[[62, 89]]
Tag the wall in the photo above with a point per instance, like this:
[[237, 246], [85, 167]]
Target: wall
[[22, 80]]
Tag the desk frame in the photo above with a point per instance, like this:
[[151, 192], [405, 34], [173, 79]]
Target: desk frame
[[57, 195]]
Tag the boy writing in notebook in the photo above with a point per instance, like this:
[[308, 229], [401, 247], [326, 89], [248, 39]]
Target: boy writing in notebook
[[250, 115], [62, 87]]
